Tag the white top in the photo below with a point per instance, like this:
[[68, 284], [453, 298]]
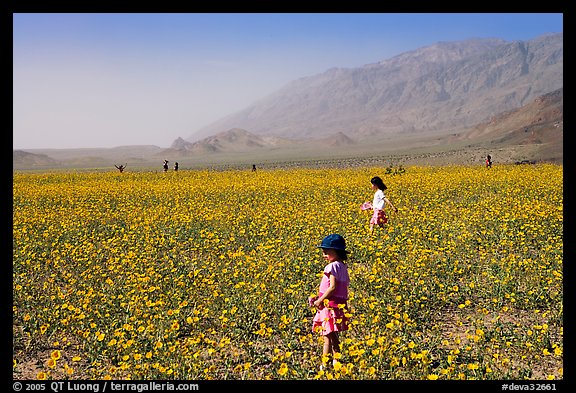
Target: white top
[[378, 201]]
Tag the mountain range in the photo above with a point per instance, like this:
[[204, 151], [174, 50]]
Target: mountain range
[[444, 87], [537, 126]]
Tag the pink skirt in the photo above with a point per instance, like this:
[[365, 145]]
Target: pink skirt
[[379, 217], [330, 319]]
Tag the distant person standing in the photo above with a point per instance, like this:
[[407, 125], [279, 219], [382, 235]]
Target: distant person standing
[[488, 161], [121, 167], [176, 166], [253, 167], [165, 165]]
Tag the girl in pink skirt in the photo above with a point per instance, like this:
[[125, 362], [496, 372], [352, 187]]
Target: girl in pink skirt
[[332, 296], [378, 203]]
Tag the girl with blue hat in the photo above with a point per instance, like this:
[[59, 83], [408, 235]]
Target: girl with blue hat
[[332, 296]]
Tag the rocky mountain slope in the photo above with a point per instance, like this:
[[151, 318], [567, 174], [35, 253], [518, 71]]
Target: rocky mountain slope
[[445, 87]]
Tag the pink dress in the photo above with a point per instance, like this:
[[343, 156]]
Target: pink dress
[[332, 318], [379, 217]]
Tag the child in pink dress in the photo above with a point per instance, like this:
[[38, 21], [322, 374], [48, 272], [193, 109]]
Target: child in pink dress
[[332, 296]]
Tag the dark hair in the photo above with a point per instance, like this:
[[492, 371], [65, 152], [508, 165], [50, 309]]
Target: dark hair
[[342, 255], [379, 183]]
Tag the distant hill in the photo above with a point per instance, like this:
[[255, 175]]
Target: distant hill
[[238, 140], [233, 140], [337, 140], [444, 87], [22, 158], [539, 123], [82, 158], [544, 113]]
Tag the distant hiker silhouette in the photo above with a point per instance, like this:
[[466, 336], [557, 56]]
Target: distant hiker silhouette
[[165, 165], [121, 167], [176, 166]]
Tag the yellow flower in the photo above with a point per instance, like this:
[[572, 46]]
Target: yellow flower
[[283, 369], [558, 351]]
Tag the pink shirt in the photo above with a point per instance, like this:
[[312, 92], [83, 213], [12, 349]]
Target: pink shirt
[[340, 271]]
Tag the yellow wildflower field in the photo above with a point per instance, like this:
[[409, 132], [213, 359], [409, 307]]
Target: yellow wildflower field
[[198, 275]]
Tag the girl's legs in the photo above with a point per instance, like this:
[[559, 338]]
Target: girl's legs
[[331, 345], [327, 347], [373, 219], [334, 342]]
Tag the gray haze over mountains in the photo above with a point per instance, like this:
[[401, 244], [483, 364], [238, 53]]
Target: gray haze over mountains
[[444, 87]]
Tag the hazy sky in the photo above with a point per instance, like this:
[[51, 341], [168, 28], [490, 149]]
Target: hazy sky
[[106, 80]]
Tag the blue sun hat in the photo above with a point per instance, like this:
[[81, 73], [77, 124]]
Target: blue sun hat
[[334, 241]]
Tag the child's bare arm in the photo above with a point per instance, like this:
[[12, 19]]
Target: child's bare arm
[[391, 205]]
